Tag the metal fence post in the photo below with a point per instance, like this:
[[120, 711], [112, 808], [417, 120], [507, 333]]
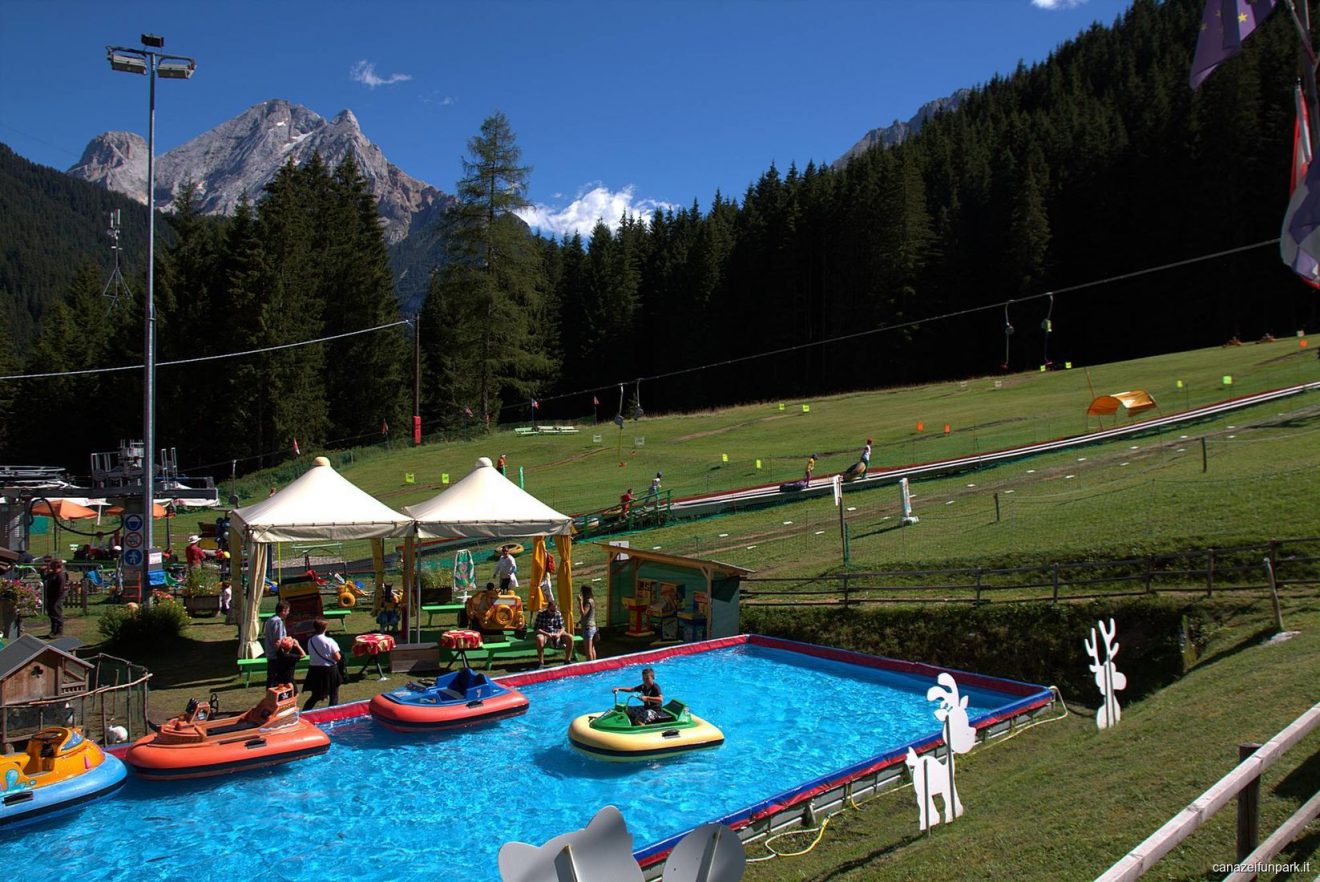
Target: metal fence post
[[1150, 566], [1248, 808]]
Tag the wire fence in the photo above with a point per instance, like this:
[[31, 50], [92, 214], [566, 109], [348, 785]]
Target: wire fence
[[1284, 563]]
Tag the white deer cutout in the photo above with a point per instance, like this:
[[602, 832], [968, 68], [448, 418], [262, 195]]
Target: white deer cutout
[[930, 777], [1108, 679], [953, 710]]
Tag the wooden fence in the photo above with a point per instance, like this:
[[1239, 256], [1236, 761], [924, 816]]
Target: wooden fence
[[1206, 571]]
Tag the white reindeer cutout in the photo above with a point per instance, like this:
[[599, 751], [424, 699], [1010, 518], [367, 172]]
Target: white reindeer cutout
[[930, 777], [953, 712], [1108, 679]]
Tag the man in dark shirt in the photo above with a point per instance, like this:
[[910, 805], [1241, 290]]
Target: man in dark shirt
[[550, 631], [56, 584]]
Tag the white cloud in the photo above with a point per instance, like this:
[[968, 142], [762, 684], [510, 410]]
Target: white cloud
[[1057, 4], [364, 72], [598, 203]]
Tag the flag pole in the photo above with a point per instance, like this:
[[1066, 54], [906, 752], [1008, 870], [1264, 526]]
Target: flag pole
[[1302, 21]]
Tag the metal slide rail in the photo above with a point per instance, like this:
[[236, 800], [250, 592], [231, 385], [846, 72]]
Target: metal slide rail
[[1164, 840], [876, 477]]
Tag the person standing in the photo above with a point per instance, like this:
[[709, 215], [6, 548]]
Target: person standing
[[500, 464], [587, 615], [625, 502], [270, 641], [285, 661], [866, 455], [653, 493], [56, 584], [506, 571], [811, 468], [323, 670], [193, 555]]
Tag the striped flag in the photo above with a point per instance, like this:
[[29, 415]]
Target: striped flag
[[1299, 240], [296, 451], [1301, 156]]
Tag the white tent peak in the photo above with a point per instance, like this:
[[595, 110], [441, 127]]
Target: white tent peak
[[486, 504], [320, 504], [321, 461], [483, 462]]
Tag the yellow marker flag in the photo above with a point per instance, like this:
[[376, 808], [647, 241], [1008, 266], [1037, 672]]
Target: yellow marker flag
[[1067, 365], [409, 478], [1042, 369], [444, 477], [724, 457], [1228, 380], [806, 408], [781, 405], [758, 463], [1179, 384]]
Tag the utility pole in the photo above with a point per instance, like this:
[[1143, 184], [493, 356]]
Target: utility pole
[[417, 379]]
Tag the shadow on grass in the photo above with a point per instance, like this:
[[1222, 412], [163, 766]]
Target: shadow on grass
[[1254, 639], [866, 859]]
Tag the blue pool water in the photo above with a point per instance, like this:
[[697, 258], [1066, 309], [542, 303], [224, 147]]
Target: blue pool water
[[385, 806]]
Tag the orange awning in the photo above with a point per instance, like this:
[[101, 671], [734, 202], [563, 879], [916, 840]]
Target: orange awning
[[62, 509], [157, 510], [1135, 401]]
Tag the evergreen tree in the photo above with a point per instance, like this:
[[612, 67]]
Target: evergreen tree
[[479, 332]]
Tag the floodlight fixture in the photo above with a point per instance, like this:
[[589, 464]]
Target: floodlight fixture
[[176, 69], [126, 63], [155, 41]]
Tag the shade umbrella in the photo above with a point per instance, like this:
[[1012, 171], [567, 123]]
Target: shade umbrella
[[157, 510], [62, 509]]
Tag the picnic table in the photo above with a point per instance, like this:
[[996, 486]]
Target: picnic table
[[370, 647]]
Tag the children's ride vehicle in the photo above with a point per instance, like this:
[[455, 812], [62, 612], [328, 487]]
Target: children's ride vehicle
[[201, 742], [462, 698], [59, 769], [631, 732]]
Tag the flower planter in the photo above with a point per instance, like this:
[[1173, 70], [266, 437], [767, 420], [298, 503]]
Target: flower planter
[[200, 605]]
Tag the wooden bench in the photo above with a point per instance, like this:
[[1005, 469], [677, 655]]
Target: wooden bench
[[332, 615], [248, 666], [524, 430], [432, 609]]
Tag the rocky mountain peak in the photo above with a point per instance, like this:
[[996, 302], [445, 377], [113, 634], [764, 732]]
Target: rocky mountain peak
[[900, 131], [239, 157]]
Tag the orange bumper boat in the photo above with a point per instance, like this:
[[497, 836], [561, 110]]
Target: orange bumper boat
[[200, 742]]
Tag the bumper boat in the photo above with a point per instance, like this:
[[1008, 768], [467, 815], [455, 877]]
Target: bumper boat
[[462, 698], [59, 770], [626, 732], [201, 742]]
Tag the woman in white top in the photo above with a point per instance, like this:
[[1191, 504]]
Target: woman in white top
[[323, 667]]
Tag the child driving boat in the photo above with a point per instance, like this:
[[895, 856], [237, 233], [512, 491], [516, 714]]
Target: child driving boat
[[652, 700]]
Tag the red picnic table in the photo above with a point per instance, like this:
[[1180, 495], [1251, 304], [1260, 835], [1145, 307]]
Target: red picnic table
[[371, 646]]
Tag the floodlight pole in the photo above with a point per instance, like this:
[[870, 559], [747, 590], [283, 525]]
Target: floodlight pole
[[121, 58]]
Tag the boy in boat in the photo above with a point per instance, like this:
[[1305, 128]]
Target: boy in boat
[[652, 700]]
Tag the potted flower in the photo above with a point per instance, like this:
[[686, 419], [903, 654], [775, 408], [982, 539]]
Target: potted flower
[[201, 596]]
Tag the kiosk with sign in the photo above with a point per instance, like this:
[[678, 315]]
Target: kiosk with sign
[[703, 595]]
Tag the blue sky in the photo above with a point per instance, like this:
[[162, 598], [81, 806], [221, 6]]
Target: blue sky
[[617, 105]]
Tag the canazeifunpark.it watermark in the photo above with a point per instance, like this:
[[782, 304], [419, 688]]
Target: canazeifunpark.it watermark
[[1264, 867]]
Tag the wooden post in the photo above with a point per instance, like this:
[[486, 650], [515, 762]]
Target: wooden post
[[1274, 595], [978, 586], [1150, 566], [1054, 576], [1248, 808], [845, 590], [1210, 573], [996, 506], [1205, 463]]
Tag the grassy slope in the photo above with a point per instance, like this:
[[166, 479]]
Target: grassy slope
[[1064, 801]]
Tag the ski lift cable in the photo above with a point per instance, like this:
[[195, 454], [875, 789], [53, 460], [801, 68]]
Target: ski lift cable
[[138, 367], [959, 313]]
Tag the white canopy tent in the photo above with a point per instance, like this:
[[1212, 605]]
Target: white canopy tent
[[319, 505], [487, 505]]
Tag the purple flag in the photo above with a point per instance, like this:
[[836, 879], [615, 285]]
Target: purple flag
[[1299, 240], [1224, 26]]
